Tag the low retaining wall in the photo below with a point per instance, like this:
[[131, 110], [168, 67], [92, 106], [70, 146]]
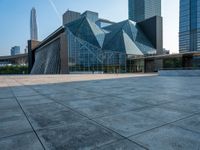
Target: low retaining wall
[[179, 73]]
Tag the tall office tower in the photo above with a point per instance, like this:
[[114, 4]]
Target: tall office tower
[[15, 50], [147, 13], [33, 25], [140, 10], [189, 30]]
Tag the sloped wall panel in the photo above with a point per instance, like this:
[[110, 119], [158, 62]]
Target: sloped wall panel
[[47, 59]]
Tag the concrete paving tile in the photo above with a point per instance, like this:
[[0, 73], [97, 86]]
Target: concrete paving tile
[[129, 123], [169, 138], [12, 125], [26, 141], [103, 106], [194, 99], [52, 115], [46, 107], [60, 127], [6, 94], [8, 114], [33, 100], [192, 123], [80, 135], [73, 95], [10, 103], [113, 91], [147, 97], [122, 145], [47, 91], [23, 91], [183, 106], [50, 89], [82, 103], [162, 114]]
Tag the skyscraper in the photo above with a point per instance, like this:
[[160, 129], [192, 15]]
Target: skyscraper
[[15, 50], [33, 25], [140, 10], [189, 30]]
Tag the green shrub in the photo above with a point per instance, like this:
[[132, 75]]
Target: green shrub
[[14, 70]]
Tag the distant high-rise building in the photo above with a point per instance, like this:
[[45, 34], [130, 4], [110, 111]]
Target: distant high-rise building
[[15, 50], [140, 10], [33, 25], [189, 30]]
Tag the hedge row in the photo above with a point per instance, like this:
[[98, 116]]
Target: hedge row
[[14, 70]]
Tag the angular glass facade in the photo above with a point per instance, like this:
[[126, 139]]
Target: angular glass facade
[[189, 30], [85, 57], [92, 48], [140, 10]]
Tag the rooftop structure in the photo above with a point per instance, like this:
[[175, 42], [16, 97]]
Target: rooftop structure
[[70, 16]]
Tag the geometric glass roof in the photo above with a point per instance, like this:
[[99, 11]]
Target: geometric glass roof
[[125, 36]]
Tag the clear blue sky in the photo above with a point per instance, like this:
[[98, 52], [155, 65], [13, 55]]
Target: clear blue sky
[[15, 18]]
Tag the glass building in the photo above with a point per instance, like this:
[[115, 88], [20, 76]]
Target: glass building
[[85, 45], [93, 48], [189, 32], [140, 10], [15, 50]]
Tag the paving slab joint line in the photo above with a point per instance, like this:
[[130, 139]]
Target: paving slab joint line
[[110, 115], [186, 129], [28, 120], [100, 125], [169, 123], [154, 105], [122, 140], [111, 129], [16, 134]]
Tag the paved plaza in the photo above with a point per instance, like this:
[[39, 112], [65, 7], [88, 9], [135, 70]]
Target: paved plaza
[[106, 112]]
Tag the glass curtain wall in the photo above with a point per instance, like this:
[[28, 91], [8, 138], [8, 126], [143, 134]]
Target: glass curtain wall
[[85, 57]]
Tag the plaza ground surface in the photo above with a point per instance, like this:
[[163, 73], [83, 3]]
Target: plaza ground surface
[[106, 112]]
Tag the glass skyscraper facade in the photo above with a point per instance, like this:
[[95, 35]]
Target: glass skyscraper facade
[[140, 10], [189, 32]]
